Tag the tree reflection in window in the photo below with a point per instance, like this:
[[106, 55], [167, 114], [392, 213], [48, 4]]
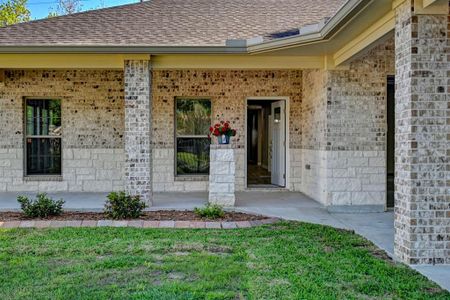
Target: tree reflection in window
[[193, 118]]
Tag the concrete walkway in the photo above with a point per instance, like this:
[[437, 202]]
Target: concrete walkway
[[73, 201], [376, 227]]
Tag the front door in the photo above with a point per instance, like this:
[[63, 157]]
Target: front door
[[278, 143]]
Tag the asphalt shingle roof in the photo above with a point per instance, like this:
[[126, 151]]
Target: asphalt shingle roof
[[171, 23]]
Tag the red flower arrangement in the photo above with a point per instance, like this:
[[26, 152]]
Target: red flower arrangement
[[222, 129]]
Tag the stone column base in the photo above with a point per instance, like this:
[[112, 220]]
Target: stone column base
[[222, 173]]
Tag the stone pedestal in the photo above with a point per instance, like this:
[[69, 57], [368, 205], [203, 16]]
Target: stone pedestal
[[222, 175]]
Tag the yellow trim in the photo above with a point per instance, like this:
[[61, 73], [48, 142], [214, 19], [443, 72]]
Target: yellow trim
[[397, 3], [330, 64], [428, 2], [66, 61], [136, 56], [116, 61], [236, 62], [365, 39], [431, 7]]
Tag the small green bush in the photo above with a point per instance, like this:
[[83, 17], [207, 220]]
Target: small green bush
[[119, 205], [42, 207], [210, 211]]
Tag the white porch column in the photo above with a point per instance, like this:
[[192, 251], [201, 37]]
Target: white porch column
[[137, 135], [222, 175], [422, 186]]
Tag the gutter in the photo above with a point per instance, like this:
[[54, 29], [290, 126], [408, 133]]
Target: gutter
[[32, 49]]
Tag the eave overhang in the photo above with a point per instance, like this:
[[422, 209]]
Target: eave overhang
[[32, 49]]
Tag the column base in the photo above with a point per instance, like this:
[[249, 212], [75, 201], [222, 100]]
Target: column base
[[226, 200], [222, 175]]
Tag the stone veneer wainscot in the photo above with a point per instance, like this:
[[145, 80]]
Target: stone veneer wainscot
[[222, 175], [344, 132]]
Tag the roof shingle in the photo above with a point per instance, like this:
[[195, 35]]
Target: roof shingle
[[170, 23]]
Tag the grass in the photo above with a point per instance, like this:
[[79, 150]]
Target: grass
[[287, 260]]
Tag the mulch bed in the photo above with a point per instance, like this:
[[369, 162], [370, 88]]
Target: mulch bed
[[164, 215]]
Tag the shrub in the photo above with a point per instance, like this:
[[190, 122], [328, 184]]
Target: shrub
[[119, 205], [42, 207], [210, 211]]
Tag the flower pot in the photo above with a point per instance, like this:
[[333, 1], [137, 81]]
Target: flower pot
[[223, 139]]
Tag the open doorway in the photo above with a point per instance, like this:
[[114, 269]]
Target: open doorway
[[390, 141], [266, 143]]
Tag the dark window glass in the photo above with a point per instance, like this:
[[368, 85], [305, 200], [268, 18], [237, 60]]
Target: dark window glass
[[43, 156], [192, 156], [43, 137], [193, 118]]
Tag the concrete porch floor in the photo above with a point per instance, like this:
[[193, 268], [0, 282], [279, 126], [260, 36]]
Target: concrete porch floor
[[376, 227]]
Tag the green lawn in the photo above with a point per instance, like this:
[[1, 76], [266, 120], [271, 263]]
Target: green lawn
[[287, 260]]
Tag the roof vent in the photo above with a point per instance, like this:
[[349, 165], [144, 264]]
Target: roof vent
[[314, 28], [244, 43], [282, 34]]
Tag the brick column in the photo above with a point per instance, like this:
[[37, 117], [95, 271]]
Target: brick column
[[137, 135], [222, 175], [422, 197]]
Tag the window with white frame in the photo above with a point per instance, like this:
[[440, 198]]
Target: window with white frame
[[192, 121]]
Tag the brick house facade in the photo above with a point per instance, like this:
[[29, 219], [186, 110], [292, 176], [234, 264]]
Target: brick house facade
[[118, 125]]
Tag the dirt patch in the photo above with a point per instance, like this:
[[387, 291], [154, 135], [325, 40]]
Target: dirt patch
[[434, 290], [180, 276], [179, 253], [328, 249], [219, 249], [186, 249], [375, 251], [176, 275], [381, 254], [122, 277], [163, 215], [279, 281]]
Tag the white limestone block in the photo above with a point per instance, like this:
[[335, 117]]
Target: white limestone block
[[222, 177]]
